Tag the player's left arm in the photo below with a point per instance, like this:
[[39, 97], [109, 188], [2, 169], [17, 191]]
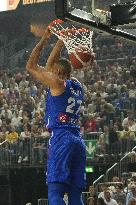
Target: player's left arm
[[55, 55]]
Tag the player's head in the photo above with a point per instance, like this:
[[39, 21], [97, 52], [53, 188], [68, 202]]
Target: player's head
[[64, 68]]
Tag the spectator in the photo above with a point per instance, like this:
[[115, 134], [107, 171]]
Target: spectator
[[132, 124], [24, 145], [100, 201], [103, 189], [113, 140], [132, 162], [119, 195], [107, 112], [131, 194], [125, 120], [103, 142], [6, 112], [23, 83], [90, 124], [65, 198], [108, 200], [92, 199], [115, 179], [132, 201], [16, 119], [12, 136]]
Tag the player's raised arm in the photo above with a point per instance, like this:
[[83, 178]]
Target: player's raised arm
[[34, 57], [40, 73], [55, 55], [32, 64]]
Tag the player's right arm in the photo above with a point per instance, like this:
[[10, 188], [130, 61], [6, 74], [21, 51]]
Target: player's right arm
[[46, 76], [32, 65]]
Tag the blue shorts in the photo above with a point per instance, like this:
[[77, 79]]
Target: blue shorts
[[56, 193], [67, 158]]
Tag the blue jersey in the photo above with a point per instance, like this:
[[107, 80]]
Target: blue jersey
[[66, 151], [64, 110]]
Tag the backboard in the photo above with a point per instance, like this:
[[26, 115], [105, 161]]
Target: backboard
[[116, 17]]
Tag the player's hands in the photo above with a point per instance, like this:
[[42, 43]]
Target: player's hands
[[60, 43], [47, 34]]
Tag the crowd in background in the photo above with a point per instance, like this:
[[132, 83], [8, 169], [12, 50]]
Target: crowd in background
[[108, 114], [109, 107], [119, 191]]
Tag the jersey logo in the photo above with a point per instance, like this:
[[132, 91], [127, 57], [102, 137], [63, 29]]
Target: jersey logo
[[63, 117]]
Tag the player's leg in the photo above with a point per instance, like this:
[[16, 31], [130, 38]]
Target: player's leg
[[78, 176], [66, 164], [59, 158], [75, 196], [56, 193], [58, 173]]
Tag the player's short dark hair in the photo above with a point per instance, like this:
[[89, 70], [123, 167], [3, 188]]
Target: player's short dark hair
[[66, 66]]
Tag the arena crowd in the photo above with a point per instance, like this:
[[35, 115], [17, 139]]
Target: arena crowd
[[120, 191], [108, 113], [109, 108]]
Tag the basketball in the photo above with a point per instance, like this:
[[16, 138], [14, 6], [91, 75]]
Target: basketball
[[82, 58]]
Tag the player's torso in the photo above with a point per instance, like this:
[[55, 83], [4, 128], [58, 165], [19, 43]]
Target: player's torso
[[63, 110]]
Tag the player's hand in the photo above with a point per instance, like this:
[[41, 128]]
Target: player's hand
[[47, 34], [60, 43]]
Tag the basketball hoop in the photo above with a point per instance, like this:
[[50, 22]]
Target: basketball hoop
[[72, 37], [78, 42]]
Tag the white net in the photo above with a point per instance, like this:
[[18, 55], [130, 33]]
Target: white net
[[73, 37]]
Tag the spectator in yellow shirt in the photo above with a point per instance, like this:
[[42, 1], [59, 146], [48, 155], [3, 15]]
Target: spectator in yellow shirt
[[12, 136]]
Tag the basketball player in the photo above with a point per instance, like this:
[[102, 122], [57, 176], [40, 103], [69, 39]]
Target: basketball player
[[66, 156]]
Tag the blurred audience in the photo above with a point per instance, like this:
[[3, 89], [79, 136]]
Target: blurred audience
[[109, 111]]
